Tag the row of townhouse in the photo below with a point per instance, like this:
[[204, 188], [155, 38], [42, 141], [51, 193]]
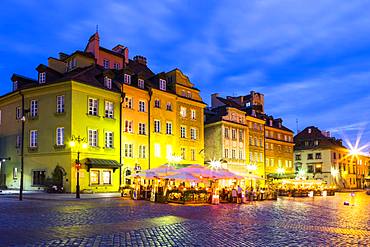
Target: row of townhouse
[[127, 117]]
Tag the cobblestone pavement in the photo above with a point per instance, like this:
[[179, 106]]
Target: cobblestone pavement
[[319, 221]]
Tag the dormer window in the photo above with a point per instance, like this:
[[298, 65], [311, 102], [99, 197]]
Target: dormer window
[[140, 83], [127, 79], [108, 82], [189, 95], [162, 84], [270, 122], [15, 86], [106, 64], [309, 131], [42, 77]]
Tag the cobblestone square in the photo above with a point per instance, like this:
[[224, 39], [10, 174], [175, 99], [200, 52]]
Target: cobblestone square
[[318, 221]]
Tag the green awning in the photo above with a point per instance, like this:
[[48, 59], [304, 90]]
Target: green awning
[[102, 163], [281, 176]]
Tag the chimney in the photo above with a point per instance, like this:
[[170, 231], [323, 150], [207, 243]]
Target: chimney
[[214, 101], [62, 56], [140, 59]]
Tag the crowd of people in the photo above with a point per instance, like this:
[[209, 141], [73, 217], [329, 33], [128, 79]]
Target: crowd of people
[[237, 194]]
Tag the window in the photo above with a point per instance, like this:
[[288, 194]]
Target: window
[[192, 154], [109, 139], [15, 173], [316, 142], [18, 142], [106, 64], [109, 109], [108, 82], [298, 157], [129, 102], [157, 103], [233, 154], [251, 141], [93, 138], [34, 108], [226, 133], [38, 178], [94, 177], [162, 84], [142, 151], [193, 114], [116, 66], [183, 132], [318, 168], [233, 134], [127, 79], [169, 128], [309, 131], [261, 157], [193, 133], [141, 106], [169, 106], [15, 86], [317, 155], [290, 163], [286, 164], [18, 112], [183, 111], [42, 77], [272, 162], [142, 129], [128, 126], [140, 83], [183, 93], [60, 104], [183, 153], [267, 162], [226, 153], [107, 177], [169, 151], [334, 155], [93, 107], [157, 126], [272, 146], [261, 143], [189, 95], [157, 150], [240, 154], [310, 156], [33, 138], [128, 150], [60, 136], [241, 135], [251, 157]]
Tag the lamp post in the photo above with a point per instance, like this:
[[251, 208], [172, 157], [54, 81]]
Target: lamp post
[[77, 141]]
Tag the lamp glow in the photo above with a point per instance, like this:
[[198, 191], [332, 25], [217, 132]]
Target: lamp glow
[[72, 143], [280, 170], [334, 172], [84, 145]]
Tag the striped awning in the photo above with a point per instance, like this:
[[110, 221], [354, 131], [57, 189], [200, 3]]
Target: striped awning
[[102, 163]]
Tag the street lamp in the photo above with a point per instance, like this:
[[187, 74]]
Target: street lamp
[[79, 142]]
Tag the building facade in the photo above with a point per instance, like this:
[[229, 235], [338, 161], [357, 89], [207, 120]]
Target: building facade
[[320, 156], [128, 119]]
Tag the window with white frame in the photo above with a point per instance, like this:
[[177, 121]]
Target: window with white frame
[[182, 111], [272, 163], [15, 172], [162, 84], [141, 105], [189, 95], [60, 103], [42, 77], [140, 83], [233, 153], [251, 157], [107, 177], [60, 136], [226, 153], [93, 107], [241, 156], [233, 134], [109, 139], [106, 63], [193, 133], [192, 154], [116, 66], [109, 109], [226, 133], [193, 114], [93, 138], [169, 106], [157, 150], [128, 126], [18, 112], [183, 153], [107, 82], [142, 151], [157, 126], [183, 132], [169, 128], [127, 79], [169, 151], [34, 108], [94, 177], [241, 135], [157, 103], [33, 138], [129, 102], [128, 150], [261, 157], [142, 129]]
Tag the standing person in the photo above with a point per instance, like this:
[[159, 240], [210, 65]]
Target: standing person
[[240, 191], [234, 195]]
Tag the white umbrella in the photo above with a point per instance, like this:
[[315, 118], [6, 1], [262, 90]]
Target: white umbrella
[[183, 176]]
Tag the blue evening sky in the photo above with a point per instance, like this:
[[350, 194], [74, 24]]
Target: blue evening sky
[[311, 59]]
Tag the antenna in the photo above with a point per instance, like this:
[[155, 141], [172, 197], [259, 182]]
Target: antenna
[[296, 121]]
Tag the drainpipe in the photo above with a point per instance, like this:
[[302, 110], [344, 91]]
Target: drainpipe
[[149, 131], [22, 149], [120, 134]]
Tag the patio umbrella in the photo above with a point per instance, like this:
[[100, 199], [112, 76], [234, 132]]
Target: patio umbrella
[[145, 175], [163, 170], [200, 171], [183, 176], [226, 174]]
